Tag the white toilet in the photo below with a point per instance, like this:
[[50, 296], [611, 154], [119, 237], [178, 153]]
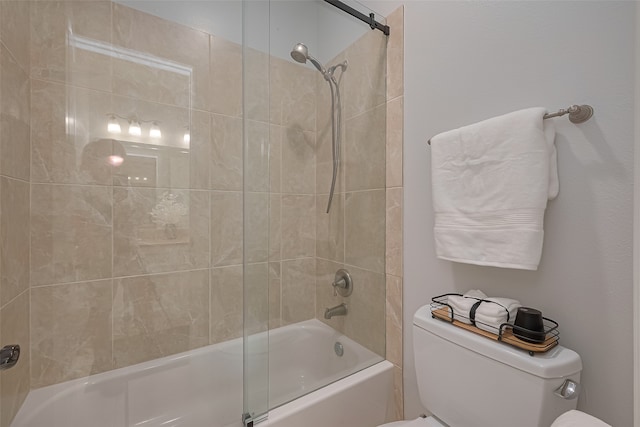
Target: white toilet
[[466, 380]]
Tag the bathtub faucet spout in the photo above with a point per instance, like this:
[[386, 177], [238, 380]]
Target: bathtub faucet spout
[[338, 310]]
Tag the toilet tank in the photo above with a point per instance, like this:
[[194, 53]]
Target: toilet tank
[[467, 380]]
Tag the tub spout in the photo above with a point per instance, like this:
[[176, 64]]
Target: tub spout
[[338, 310]]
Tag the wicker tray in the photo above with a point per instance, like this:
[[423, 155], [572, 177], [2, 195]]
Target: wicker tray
[[441, 310]]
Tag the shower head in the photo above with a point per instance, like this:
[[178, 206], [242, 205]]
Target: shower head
[[300, 53]]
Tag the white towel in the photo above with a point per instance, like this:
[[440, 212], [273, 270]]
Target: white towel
[[461, 305], [493, 312], [575, 418], [491, 182]]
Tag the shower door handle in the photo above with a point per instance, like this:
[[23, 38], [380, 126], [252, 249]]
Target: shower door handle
[[9, 355]]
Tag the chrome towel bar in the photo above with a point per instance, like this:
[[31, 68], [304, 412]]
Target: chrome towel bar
[[577, 114]]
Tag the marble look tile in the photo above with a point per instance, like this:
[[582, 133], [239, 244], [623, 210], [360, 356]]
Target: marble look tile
[[365, 229], [395, 54], [226, 77], [365, 146], [71, 233], [330, 228], [226, 303], [159, 315], [275, 295], [256, 306], [14, 228], [70, 331], [293, 95], [394, 320], [256, 94], [256, 220], [168, 85], [15, 112], [14, 31], [394, 232], [275, 227], [256, 153], [395, 135], [365, 79], [226, 228], [299, 226], [69, 139], [226, 153], [165, 161], [299, 161], [200, 150], [275, 158], [16, 382], [298, 290], [142, 245], [53, 58], [171, 42]]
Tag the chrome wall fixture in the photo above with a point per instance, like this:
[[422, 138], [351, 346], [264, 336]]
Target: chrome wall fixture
[[577, 114], [300, 53]]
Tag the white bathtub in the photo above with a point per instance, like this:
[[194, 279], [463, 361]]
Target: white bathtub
[[203, 387]]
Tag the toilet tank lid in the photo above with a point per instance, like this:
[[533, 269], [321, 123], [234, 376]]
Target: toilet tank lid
[[555, 363]]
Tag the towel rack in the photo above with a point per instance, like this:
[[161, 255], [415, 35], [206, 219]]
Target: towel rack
[[577, 114]]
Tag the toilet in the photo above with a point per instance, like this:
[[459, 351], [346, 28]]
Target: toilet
[[466, 380]]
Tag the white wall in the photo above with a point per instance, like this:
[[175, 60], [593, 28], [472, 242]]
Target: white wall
[[466, 61]]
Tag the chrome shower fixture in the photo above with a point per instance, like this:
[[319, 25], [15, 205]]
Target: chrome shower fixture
[[300, 53]]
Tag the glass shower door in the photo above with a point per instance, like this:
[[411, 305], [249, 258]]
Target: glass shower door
[[301, 112], [256, 209]]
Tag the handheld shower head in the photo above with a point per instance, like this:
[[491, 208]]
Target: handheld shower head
[[300, 53]]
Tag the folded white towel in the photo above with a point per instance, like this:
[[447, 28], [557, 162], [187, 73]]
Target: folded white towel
[[493, 312], [461, 305], [575, 418], [491, 182]]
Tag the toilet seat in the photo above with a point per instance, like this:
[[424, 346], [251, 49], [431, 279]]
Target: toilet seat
[[418, 422]]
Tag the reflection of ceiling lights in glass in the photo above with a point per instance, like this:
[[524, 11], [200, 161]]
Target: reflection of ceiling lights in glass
[[155, 132], [187, 137], [115, 160], [112, 125], [134, 128]]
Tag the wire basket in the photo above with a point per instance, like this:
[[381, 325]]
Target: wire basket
[[522, 338]]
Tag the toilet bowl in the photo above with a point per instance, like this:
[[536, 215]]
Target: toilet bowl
[[466, 380]]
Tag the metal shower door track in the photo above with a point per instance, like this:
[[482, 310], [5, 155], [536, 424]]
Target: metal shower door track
[[375, 25]]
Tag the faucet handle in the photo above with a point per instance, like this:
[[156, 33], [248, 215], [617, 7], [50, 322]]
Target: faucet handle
[[342, 283]]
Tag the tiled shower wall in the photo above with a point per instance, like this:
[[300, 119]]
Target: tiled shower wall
[[363, 232], [15, 110], [106, 289]]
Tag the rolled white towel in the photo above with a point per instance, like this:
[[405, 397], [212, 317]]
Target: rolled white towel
[[493, 312], [575, 418], [462, 305]]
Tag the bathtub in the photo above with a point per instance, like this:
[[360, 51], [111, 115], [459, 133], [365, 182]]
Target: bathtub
[[203, 387]]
